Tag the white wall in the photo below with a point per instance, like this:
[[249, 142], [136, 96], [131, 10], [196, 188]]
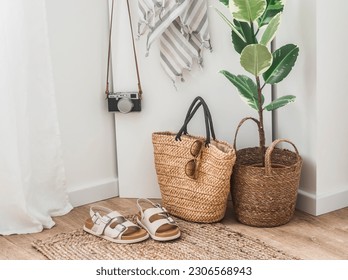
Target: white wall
[[164, 108], [297, 122], [332, 115], [317, 121], [78, 38]]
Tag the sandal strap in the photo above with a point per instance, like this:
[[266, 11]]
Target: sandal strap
[[95, 215], [102, 222], [148, 213], [155, 225], [157, 209], [118, 230]]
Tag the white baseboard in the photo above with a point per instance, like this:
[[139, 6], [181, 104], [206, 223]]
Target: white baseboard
[[306, 202], [331, 202], [92, 193], [321, 204]]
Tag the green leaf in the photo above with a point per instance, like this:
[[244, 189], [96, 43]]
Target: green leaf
[[232, 26], [271, 30], [273, 8], [256, 59], [246, 87], [247, 10], [283, 61], [225, 2], [245, 30], [280, 102]]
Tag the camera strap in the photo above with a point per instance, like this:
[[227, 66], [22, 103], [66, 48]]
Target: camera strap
[[109, 51]]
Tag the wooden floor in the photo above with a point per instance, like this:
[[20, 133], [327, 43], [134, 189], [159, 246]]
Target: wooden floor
[[307, 237]]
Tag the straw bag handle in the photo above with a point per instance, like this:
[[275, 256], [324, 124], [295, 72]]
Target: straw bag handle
[[238, 127], [268, 163], [189, 114], [188, 119]]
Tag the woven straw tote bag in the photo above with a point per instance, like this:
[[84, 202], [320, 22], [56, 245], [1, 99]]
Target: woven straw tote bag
[[265, 196], [194, 172]]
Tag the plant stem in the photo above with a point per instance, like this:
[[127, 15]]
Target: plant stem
[[261, 128], [253, 32], [257, 32]]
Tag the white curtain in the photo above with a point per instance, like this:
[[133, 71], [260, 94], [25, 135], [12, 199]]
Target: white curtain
[[32, 179]]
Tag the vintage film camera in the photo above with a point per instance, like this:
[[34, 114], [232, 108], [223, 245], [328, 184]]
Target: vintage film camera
[[124, 102]]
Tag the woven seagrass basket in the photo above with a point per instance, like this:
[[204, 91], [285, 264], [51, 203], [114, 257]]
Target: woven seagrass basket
[[265, 196]]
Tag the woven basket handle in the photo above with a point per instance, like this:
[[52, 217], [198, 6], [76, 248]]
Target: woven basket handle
[[196, 104], [238, 127], [268, 163]]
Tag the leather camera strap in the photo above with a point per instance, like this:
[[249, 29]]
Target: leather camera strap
[[109, 51]]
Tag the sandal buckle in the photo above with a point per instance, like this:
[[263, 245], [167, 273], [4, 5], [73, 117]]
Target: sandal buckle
[[171, 220], [106, 219], [120, 228], [161, 207], [123, 228], [96, 218]]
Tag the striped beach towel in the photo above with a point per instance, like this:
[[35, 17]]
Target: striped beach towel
[[181, 26]]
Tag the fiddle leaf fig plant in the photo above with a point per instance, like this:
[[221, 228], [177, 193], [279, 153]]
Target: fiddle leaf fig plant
[[254, 25]]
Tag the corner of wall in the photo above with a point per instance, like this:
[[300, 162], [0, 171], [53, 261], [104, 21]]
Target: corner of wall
[[307, 202]]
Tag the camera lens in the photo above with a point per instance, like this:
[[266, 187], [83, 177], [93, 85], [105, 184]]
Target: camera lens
[[125, 105]]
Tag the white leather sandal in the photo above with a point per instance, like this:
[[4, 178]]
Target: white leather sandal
[[156, 220], [112, 226]]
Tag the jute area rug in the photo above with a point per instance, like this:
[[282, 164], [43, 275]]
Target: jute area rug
[[198, 242]]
